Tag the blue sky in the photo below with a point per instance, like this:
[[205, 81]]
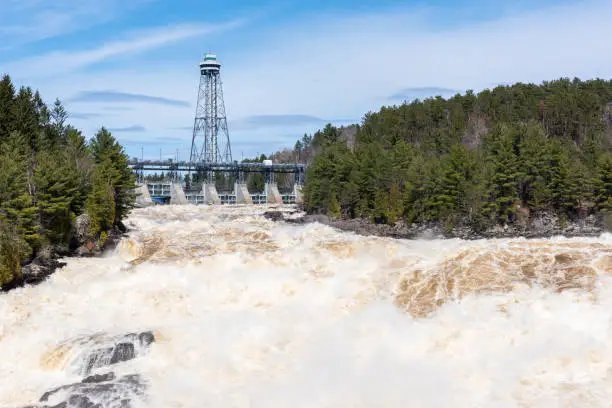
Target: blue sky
[[288, 66]]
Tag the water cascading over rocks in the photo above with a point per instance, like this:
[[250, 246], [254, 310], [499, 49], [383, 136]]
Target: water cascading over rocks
[[243, 311], [96, 353]]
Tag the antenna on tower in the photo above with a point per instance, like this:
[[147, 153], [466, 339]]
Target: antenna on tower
[[210, 142]]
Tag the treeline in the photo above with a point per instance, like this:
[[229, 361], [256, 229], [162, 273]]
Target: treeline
[[49, 175], [501, 156]]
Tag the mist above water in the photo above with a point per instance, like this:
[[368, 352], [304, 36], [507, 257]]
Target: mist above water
[[251, 313]]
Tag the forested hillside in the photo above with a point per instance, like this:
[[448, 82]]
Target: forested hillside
[[498, 157], [49, 175]]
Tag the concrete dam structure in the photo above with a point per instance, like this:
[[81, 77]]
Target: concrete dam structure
[[174, 193]]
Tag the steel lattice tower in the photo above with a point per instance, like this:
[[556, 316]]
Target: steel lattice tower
[[210, 142]]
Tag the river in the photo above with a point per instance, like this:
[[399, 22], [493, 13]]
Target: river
[[246, 312]]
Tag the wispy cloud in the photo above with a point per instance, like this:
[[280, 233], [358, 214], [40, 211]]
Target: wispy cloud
[[117, 108], [133, 128], [84, 115], [170, 141], [57, 62], [283, 120], [124, 97], [263, 121], [422, 92], [23, 21]]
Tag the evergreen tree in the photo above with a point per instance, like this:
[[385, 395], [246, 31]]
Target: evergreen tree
[[55, 133], [604, 184], [26, 117], [16, 205], [100, 205], [56, 186], [333, 208], [534, 162], [105, 148], [505, 173], [7, 97], [80, 164]]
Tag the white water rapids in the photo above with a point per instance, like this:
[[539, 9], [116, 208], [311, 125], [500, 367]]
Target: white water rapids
[[251, 313]]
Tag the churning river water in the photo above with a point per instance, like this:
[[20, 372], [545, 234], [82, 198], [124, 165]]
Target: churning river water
[[220, 307]]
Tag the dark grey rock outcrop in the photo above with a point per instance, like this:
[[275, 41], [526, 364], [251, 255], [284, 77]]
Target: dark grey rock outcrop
[[101, 391], [101, 350]]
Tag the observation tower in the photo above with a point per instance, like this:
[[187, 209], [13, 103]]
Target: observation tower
[[210, 142]]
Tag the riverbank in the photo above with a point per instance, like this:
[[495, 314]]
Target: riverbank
[[49, 258], [545, 226]]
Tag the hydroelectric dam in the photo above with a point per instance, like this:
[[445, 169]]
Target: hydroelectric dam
[[211, 165], [175, 191]]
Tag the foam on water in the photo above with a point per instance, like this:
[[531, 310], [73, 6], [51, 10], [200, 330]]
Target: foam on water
[[251, 313]]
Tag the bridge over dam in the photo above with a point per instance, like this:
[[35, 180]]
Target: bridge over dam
[[175, 190]]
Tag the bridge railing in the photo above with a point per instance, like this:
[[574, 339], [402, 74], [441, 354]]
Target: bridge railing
[[185, 166]]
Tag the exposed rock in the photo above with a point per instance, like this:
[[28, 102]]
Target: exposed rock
[[82, 226], [123, 352], [97, 391], [85, 354], [320, 218], [103, 391], [88, 246], [99, 378], [112, 239], [273, 215], [39, 269], [82, 230], [85, 243], [104, 351], [42, 266]]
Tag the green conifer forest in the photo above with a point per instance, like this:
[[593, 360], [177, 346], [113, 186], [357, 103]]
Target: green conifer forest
[[49, 175], [501, 156]]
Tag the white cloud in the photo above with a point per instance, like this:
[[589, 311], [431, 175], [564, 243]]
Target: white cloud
[[344, 66], [64, 62], [23, 21], [336, 71]]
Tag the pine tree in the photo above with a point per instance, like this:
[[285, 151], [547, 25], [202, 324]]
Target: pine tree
[[534, 162], [333, 208], [16, 206], [505, 172], [56, 132], [604, 184], [27, 121], [104, 147], [7, 97], [56, 186], [100, 204], [79, 163]]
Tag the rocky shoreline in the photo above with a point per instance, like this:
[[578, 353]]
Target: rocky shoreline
[[82, 244], [544, 226]]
